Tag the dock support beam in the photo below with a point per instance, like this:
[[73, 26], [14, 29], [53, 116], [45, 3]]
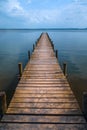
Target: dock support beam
[[84, 104], [65, 69], [52, 45], [56, 52], [3, 103], [28, 54], [20, 69]]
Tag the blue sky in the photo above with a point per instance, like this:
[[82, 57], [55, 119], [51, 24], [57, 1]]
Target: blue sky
[[43, 13]]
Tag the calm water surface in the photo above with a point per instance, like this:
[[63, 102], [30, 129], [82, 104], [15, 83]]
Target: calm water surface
[[71, 46]]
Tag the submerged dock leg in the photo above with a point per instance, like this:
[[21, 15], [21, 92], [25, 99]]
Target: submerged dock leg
[[56, 53], [20, 69], [28, 54], [3, 103], [84, 104], [65, 69]]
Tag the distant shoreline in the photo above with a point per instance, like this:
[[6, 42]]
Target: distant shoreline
[[43, 28]]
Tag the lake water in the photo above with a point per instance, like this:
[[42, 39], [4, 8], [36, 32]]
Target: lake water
[[71, 46]]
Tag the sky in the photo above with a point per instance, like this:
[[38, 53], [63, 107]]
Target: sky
[[43, 13]]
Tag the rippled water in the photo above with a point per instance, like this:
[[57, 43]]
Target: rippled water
[[71, 46]]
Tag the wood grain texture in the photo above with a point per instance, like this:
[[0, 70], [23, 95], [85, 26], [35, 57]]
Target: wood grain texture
[[43, 99]]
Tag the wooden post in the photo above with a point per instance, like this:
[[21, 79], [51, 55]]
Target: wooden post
[[52, 45], [20, 69], [84, 104], [56, 53], [65, 69], [28, 54], [3, 103]]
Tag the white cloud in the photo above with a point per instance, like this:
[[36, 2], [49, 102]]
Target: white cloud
[[15, 8], [12, 7], [75, 14], [81, 2], [43, 16]]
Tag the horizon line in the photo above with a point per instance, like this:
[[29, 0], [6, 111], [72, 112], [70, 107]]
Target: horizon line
[[41, 28]]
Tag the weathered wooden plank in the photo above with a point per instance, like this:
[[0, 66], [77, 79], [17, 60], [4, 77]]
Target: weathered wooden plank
[[39, 126], [42, 74], [44, 95], [43, 85], [41, 82], [46, 80], [42, 77], [43, 88], [45, 105], [43, 119], [43, 111], [34, 91], [43, 99]]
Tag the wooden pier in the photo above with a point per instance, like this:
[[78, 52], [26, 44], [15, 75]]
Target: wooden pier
[[43, 99]]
